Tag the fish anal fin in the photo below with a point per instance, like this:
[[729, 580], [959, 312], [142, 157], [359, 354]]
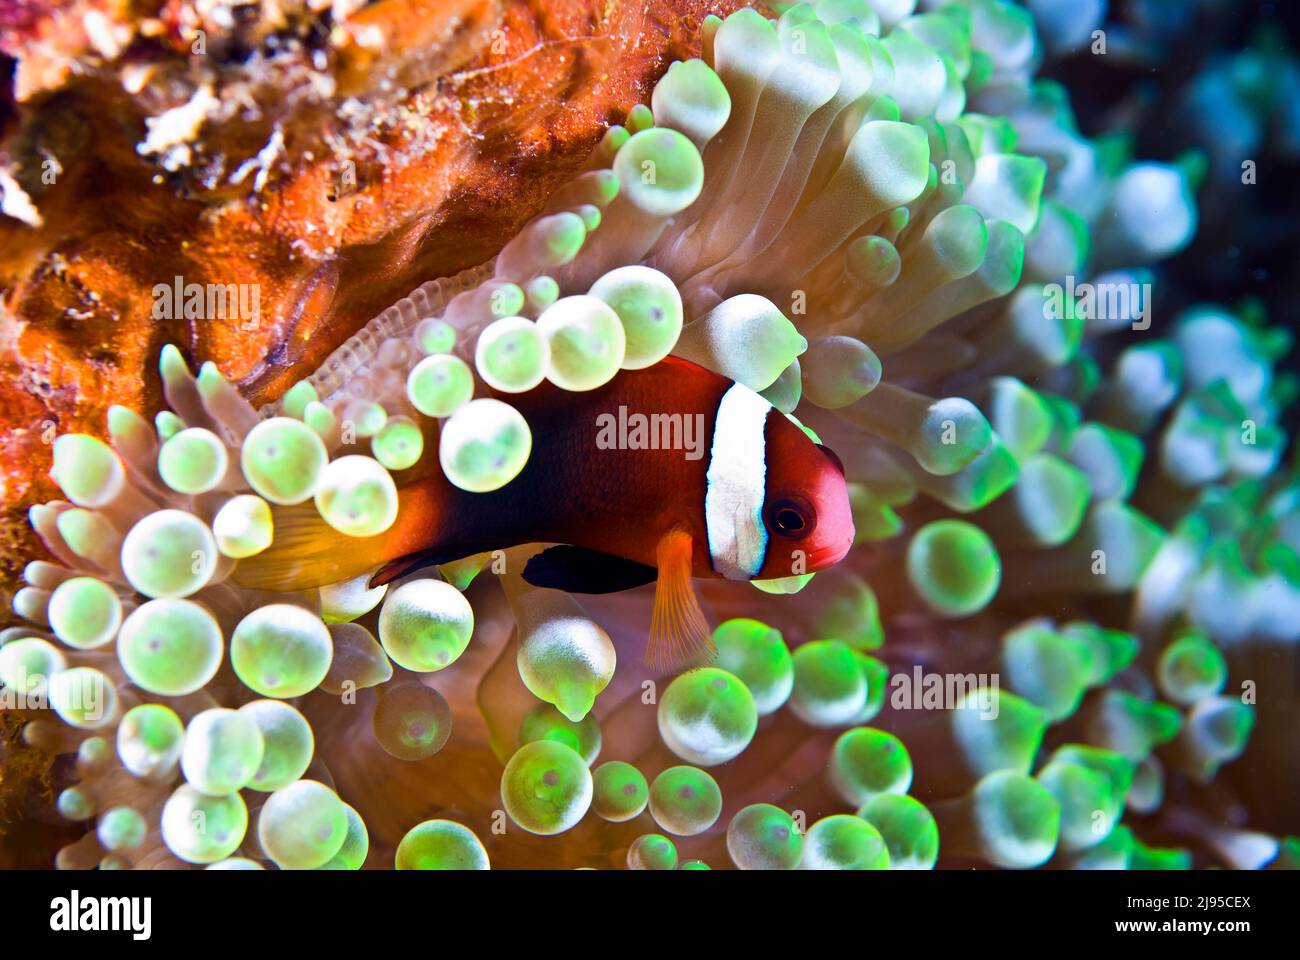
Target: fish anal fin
[[580, 570], [679, 631], [400, 566]]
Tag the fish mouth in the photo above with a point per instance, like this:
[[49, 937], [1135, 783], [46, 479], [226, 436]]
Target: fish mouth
[[828, 556]]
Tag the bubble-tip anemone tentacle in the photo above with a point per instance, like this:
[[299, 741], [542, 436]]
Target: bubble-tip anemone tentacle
[[870, 214]]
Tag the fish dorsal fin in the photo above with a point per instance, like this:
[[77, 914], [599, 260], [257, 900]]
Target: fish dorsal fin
[[679, 632], [580, 570]]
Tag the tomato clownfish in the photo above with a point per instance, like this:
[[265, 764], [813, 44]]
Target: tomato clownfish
[[754, 499]]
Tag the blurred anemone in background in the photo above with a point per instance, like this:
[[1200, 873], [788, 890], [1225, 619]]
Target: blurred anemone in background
[[1066, 635]]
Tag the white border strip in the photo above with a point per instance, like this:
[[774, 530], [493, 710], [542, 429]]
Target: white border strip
[[737, 485]]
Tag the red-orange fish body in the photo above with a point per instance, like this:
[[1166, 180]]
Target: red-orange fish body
[[664, 473]]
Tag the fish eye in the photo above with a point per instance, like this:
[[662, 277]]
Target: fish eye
[[789, 521], [790, 518]]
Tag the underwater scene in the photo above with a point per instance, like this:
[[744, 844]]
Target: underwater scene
[[649, 435]]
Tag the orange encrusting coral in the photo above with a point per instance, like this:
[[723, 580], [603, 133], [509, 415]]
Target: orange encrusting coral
[[444, 174]]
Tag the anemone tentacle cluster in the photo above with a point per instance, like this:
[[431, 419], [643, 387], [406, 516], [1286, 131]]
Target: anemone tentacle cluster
[[878, 219]]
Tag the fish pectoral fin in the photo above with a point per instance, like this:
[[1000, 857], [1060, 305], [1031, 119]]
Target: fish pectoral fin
[[679, 632], [580, 570]]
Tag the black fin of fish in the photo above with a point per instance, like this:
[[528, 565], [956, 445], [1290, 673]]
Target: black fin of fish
[[396, 569], [581, 570]]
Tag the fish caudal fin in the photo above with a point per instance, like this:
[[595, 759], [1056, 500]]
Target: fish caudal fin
[[307, 552], [679, 632]]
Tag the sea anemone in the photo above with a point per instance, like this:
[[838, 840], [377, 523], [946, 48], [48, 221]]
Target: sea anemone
[[1075, 573]]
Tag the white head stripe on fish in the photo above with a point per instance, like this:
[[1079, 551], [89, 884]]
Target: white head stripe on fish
[[737, 484]]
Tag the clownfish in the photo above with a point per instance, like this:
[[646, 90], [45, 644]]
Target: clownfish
[[738, 491]]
